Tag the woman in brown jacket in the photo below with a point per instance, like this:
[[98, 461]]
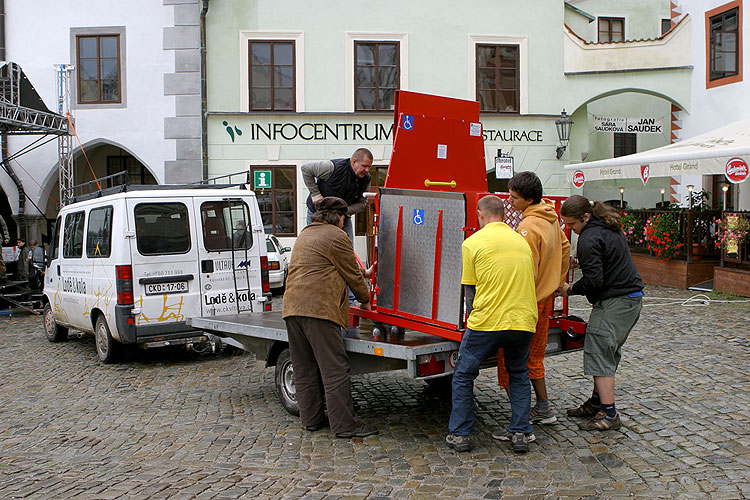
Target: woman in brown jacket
[[316, 307]]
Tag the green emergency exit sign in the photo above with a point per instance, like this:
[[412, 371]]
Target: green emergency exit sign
[[262, 179]]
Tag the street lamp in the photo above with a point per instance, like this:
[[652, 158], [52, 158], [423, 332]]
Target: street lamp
[[622, 192], [662, 191], [690, 195], [725, 188], [563, 132]]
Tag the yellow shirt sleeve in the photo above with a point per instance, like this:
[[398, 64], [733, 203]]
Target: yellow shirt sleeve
[[468, 274]]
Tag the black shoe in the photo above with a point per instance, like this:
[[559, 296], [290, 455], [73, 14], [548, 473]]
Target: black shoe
[[362, 430], [317, 427], [459, 443], [586, 410]]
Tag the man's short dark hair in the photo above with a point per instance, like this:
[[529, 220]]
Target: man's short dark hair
[[362, 153], [492, 205], [528, 186]]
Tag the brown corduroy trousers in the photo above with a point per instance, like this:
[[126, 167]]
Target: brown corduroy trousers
[[321, 372]]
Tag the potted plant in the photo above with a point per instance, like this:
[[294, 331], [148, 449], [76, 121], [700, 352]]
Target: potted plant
[[730, 233], [662, 235], [698, 201], [632, 226]]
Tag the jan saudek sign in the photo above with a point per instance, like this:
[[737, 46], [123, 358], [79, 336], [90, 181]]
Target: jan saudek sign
[[628, 125]]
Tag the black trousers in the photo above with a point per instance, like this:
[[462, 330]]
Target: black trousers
[[321, 372]]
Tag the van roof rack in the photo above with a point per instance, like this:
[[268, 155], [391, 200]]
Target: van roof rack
[[120, 183]]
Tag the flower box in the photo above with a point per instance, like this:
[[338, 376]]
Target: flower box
[[732, 280], [673, 273]]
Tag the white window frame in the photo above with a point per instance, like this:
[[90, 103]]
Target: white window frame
[[298, 37], [403, 51], [523, 66]]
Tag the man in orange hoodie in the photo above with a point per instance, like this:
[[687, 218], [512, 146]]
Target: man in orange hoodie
[[551, 249]]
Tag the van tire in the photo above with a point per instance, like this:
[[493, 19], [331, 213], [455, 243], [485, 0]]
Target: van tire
[[106, 346], [284, 382], [53, 331]]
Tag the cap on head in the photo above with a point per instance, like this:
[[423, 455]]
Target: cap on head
[[332, 203]]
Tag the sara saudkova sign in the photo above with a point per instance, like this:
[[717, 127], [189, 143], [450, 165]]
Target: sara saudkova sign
[[736, 170], [578, 179]]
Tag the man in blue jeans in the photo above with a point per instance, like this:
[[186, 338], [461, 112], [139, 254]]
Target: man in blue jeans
[[498, 276]]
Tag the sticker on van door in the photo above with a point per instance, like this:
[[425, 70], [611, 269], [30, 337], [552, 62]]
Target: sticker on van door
[[226, 302]]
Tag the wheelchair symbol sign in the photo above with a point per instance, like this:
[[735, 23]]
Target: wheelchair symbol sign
[[408, 122], [418, 216]]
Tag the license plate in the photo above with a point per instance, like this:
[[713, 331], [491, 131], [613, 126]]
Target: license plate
[[162, 288]]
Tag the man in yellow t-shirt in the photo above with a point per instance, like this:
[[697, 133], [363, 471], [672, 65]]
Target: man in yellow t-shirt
[[498, 279]]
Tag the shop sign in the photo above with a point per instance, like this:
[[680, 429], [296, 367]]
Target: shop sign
[[503, 167], [629, 125], [736, 170], [261, 179], [578, 179]]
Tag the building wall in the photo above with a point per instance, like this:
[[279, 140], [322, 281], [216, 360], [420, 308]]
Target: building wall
[[718, 106], [438, 51], [158, 121]]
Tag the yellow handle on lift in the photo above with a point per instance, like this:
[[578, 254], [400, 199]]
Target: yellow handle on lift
[[428, 183]]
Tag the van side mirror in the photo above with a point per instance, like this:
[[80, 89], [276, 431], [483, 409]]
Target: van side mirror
[[286, 249]]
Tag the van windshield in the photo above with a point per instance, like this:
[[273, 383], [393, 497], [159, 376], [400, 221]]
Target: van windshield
[[226, 225], [162, 228]]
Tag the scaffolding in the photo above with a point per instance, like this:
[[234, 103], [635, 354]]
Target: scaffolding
[[64, 142]]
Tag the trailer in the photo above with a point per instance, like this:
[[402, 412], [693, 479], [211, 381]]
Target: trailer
[[420, 218]]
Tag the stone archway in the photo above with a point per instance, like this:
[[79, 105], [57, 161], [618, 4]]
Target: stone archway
[[104, 157]]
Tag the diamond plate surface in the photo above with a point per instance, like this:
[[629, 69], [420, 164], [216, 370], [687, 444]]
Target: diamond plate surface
[[418, 252]]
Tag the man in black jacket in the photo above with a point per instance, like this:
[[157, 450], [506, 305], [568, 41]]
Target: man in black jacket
[[345, 178], [612, 284]]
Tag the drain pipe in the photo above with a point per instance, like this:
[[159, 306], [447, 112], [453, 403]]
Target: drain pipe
[[204, 99], [4, 140]]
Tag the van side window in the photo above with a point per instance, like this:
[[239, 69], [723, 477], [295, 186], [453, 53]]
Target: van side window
[[162, 228], [56, 239], [226, 225], [99, 233], [73, 235]]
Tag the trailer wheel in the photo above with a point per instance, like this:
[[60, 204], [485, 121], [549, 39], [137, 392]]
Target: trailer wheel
[[284, 378], [106, 346], [53, 331]]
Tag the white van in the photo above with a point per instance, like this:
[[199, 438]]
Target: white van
[[131, 267]]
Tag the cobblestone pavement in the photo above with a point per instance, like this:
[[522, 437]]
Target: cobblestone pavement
[[167, 424]]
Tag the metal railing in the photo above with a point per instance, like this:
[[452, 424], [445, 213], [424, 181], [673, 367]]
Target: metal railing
[[696, 230]]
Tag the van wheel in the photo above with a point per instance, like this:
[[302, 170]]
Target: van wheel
[[53, 331], [106, 347], [284, 378]]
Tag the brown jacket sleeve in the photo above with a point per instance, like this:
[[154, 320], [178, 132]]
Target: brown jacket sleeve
[[343, 258], [565, 251]]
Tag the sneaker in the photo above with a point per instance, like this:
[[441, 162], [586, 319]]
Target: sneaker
[[520, 442], [542, 417], [587, 409], [601, 422], [458, 443], [506, 435], [362, 430]]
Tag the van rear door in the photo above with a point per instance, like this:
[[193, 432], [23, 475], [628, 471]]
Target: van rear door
[[165, 264], [229, 255]]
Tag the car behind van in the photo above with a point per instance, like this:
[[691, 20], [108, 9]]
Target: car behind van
[[131, 267]]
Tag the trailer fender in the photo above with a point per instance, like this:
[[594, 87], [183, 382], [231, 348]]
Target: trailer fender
[[274, 349]]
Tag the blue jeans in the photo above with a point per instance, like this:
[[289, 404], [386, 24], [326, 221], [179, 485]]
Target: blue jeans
[[349, 230], [475, 347]]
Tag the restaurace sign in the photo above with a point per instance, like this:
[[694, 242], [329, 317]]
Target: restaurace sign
[[628, 125]]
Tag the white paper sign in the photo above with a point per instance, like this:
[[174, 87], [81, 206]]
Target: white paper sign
[[503, 167], [475, 129], [442, 152]]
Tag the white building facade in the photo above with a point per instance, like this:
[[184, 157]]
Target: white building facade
[[134, 93]]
